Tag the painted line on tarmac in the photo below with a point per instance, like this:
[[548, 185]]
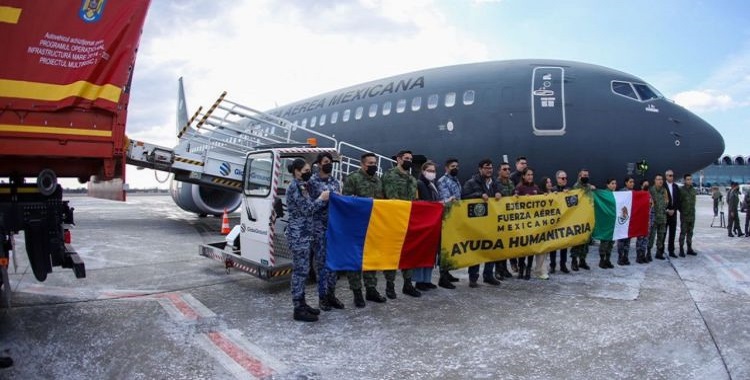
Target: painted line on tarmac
[[236, 353], [182, 306]]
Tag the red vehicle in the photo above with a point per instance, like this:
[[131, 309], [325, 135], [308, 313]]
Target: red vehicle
[[64, 86]]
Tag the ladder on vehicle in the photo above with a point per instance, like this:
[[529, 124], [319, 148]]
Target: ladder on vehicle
[[213, 144]]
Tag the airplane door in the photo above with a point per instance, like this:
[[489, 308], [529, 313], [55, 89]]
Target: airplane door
[[548, 101]]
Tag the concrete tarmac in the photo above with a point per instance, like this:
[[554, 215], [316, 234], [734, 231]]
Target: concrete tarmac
[[151, 308]]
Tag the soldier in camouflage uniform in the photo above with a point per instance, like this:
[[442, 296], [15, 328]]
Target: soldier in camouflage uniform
[[660, 198], [320, 182], [623, 245], [687, 215], [641, 243], [364, 183], [579, 252], [399, 184], [299, 236], [605, 246]]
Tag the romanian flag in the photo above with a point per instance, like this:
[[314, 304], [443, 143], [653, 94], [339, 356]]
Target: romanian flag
[[374, 234], [620, 214]]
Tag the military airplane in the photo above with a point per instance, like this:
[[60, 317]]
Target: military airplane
[[559, 114]]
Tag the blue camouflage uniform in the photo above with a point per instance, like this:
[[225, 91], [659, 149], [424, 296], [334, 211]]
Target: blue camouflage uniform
[[299, 234], [326, 278]]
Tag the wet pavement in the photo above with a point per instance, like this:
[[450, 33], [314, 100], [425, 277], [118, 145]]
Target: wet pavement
[[151, 308]]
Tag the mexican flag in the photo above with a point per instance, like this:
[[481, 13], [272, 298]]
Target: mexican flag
[[620, 214]]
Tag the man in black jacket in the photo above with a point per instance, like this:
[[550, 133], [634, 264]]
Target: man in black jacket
[[483, 186], [672, 206]]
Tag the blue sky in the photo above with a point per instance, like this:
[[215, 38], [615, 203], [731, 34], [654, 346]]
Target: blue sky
[[267, 53]]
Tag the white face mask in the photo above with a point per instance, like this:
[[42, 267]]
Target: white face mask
[[429, 175]]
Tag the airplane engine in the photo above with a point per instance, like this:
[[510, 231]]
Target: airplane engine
[[203, 200]]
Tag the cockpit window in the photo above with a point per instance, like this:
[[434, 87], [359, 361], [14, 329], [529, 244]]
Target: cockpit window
[[635, 91], [645, 92], [624, 89]]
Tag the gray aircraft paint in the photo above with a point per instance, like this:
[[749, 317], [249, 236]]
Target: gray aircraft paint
[[583, 123]]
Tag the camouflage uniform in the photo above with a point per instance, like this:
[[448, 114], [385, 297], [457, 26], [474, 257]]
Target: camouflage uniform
[[623, 246], [299, 236], [641, 243], [660, 199], [580, 251], [364, 185], [326, 278], [399, 185], [687, 217]]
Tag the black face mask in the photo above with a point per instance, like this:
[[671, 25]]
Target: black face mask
[[306, 176], [327, 168], [454, 172], [406, 165], [584, 180], [372, 169]]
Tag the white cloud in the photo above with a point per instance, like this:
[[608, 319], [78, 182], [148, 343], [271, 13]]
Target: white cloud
[[704, 100], [267, 53]]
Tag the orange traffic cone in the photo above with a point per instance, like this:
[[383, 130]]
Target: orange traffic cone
[[225, 223]]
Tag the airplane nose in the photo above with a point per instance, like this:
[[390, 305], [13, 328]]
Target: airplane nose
[[707, 144]]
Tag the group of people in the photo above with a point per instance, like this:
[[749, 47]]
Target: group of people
[[308, 193]]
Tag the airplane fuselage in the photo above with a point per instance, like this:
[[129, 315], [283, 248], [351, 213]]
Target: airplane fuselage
[[559, 114]]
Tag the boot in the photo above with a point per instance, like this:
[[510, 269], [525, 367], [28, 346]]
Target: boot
[[333, 301], [445, 282], [491, 281], [620, 259], [390, 290], [648, 256], [625, 258], [582, 264], [659, 255], [309, 308], [691, 252], [371, 294], [608, 262], [422, 286], [602, 263], [451, 278], [409, 290], [528, 273], [359, 301], [682, 252], [303, 314], [521, 268], [323, 304], [552, 268], [564, 268], [574, 264], [639, 257]]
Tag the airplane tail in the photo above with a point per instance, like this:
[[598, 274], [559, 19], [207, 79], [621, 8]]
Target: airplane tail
[[182, 116]]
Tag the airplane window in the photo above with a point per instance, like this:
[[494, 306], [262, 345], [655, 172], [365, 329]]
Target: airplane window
[[432, 101], [416, 103], [322, 120], [386, 108], [358, 113], [450, 99], [373, 110], [401, 105], [624, 89], [312, 121], [334, 117], [345, 117], [645, 92], [304, 123], [469, 97]]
